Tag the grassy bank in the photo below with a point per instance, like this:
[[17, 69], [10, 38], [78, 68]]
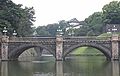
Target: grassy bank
[[86, 51]]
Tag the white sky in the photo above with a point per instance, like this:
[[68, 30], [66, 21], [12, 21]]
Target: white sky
[[52, 11]]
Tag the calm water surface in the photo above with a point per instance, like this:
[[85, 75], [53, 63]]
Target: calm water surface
[[73, 66]]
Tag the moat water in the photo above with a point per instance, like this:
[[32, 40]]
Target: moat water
[[73, 66]]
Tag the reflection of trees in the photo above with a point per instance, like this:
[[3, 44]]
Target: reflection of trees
[[29, 68], [70, 68], [88, 68], [44, 67], [15, 69]]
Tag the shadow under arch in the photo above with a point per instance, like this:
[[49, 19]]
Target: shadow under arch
[[101, 48], [15, 53]]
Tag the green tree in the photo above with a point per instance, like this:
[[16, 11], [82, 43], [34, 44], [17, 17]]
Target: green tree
[[26, 22], [95, 23], [82, 31], [42, 31], [111, 12], [52, 29], [14, 17]]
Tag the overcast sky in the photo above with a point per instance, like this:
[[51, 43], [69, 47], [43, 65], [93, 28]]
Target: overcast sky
[[52, 11]]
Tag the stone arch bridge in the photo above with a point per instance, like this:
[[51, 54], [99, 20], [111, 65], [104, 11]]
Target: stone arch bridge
[[12, 47]]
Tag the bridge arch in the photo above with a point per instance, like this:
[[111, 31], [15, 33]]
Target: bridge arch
[[15, 53], [106, 51]]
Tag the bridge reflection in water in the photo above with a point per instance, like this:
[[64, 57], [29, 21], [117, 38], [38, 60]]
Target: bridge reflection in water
[[59, 68]]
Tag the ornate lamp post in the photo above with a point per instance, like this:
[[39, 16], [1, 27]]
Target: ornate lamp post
[[59, 32], [114, 29], [5, 31], [4, 45], [14, 33]]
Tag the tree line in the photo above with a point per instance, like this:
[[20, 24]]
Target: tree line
[[14, 17], [91, 26]]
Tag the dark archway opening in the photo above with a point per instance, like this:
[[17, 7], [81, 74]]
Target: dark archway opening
[[87, 53], [36, 54], [27, 53]]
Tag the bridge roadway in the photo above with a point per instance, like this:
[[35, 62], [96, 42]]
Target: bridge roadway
[[60, 47]]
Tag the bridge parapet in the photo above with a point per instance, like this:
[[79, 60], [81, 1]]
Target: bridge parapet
[[39, 39], [87, 38], [32, 39]]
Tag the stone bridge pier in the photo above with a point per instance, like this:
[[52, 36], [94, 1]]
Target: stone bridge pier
[[59, 48], [4, 47], [115, 47]]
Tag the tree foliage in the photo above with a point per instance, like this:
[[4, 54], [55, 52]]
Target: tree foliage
[[95, 23], [14, 17], [51, 29], [42, 31], [111, 12]]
